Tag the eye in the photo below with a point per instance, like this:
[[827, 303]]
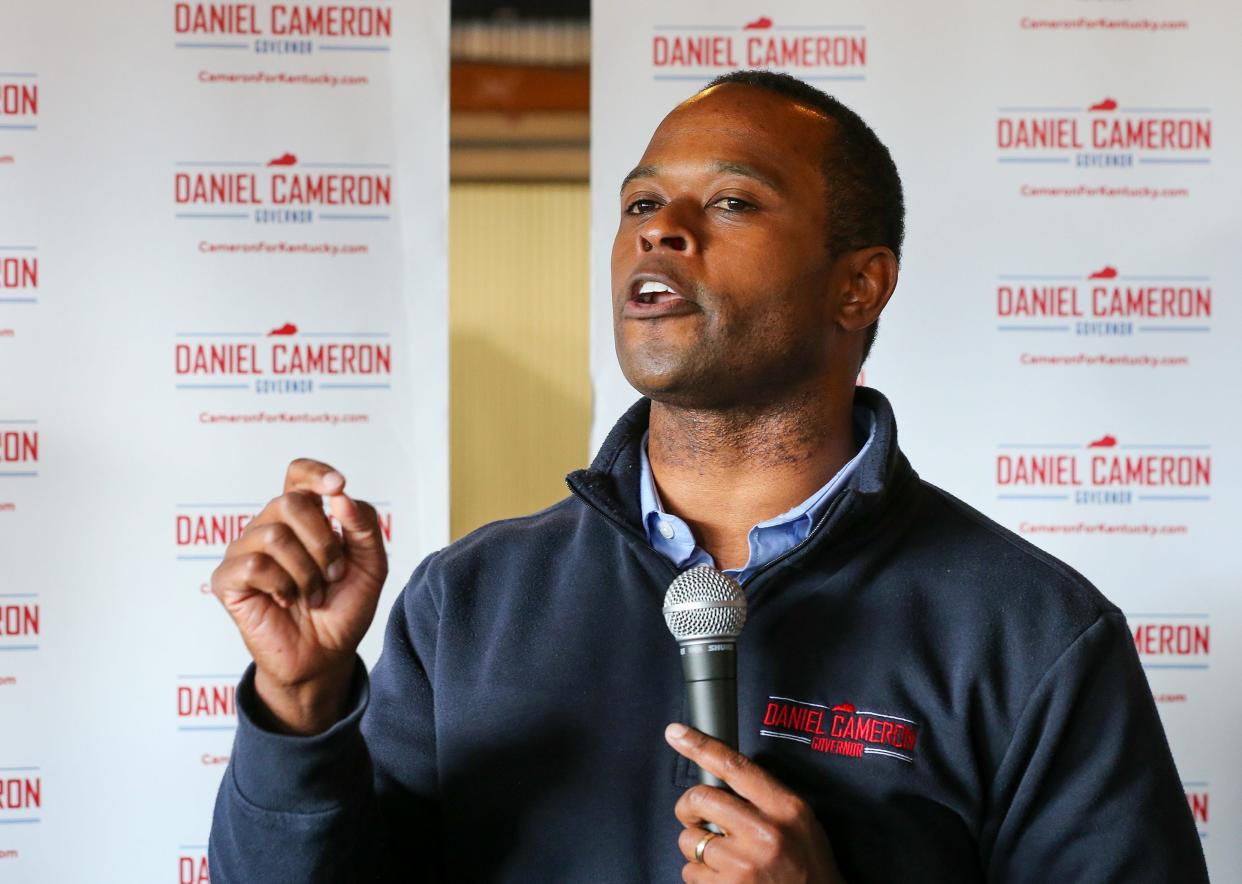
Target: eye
[[734, 204], [641, 207]]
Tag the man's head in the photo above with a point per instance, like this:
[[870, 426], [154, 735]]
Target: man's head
[[775, 215]]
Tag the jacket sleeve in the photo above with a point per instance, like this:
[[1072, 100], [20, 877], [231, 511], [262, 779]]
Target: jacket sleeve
[[1087, 789], [355, 803]]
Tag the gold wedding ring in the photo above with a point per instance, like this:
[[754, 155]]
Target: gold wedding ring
[[702, 845]]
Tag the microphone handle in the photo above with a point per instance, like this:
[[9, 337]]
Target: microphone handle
[[710, 670]]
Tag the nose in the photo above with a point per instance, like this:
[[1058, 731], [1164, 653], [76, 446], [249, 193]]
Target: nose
[[669, 229]]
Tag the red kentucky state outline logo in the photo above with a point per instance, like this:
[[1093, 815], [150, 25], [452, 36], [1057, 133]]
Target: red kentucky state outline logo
[[842, 729]]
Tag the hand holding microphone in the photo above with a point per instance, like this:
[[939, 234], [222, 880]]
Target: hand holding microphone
[[741, 823]]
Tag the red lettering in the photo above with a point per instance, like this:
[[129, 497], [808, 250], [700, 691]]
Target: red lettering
[[332, 359], [838, 725], [1198, 802], [1153, 302], [1050, 132], [1152, 470], [209, 701], [19, 100], [215, 18], [332, 21], [210, 530], [21, 793], [806, 52], [214, 359], [848, 748], [1178, 639], [1024, 469], [19, 446], [1151, 134], [232, 188], [19, 273], [19, 620], [704, 51], [1037, 301], [332, 190], [192, 870]]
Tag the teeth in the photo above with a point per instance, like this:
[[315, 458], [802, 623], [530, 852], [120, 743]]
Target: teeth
[[653, 288]]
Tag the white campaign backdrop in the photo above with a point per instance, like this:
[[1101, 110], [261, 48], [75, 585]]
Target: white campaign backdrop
[[316, 274], [1061, 349]]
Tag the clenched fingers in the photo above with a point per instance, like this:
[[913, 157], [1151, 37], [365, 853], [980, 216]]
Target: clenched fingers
[[707, 804], [719, 853], [279, 541], [293, 531], [250, 572], [317, 477], [304, 515]]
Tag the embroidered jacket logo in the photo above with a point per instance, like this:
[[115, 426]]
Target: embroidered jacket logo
[[842, 729]]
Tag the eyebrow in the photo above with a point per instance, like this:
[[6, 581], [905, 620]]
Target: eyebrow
[[723, 166], [638, 172]]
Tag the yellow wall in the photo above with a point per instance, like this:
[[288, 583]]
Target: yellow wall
[[520, 388]]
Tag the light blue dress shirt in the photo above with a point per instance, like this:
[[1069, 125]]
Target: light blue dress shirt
[[673, 539]]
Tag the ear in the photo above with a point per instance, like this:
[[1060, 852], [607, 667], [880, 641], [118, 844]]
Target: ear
[[867, 279]]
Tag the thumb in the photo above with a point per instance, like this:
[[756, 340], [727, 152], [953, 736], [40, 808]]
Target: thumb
[[359, 526]]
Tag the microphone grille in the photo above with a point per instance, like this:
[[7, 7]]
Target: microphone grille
[[702, 603]]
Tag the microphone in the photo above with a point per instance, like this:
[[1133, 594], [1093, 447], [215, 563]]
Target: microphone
[[705, 610]]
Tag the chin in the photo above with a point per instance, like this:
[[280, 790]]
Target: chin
[[655, 381], [677, 386], [683, 376]]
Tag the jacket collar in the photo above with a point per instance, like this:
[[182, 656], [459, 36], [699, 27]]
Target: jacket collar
[[610, 484]]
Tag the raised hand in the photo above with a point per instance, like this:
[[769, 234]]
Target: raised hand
[[303, 595]]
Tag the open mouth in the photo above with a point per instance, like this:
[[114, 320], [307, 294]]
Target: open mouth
[[651, 292]]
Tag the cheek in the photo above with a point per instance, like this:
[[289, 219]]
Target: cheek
[[775, 320], [770, 307], [617, 269], [623, 246]]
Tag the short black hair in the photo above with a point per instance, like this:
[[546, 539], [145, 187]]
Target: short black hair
[[865, 202]]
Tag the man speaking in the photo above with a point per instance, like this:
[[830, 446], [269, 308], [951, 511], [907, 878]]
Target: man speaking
[[922, 696]]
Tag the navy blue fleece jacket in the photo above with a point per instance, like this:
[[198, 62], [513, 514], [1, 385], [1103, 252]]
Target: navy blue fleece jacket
[[955, 704]]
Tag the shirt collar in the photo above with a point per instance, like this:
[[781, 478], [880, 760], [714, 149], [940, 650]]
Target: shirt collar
[[673, 538]]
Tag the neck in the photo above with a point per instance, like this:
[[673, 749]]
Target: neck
[[725, 470]]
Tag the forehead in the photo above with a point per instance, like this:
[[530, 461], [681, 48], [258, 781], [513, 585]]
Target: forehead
[[732, 123]]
